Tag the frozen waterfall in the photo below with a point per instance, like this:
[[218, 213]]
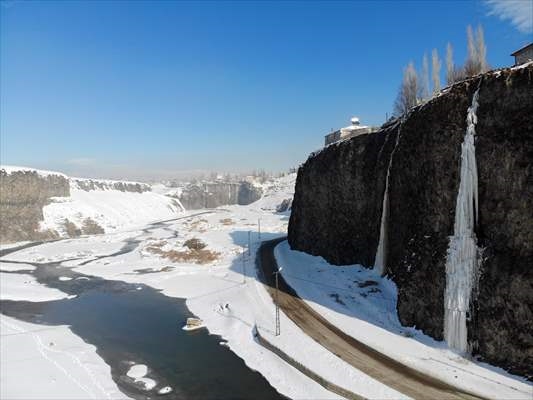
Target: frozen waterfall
[[461, 261], [380, 259]]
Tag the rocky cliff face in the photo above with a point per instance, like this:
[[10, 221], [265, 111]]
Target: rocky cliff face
[[94, 184], [338, 203], [215, 194], [23, 194]]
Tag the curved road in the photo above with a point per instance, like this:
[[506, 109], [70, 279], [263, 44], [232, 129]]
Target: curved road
[[373, 363]]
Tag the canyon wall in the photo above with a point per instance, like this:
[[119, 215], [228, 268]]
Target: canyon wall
[[23, 194], [215, 194], [338, 204]]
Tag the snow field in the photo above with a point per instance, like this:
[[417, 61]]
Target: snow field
[[50, 361], [20, 287]]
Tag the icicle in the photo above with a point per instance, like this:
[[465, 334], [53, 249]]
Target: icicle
[[461, 262], [380, 261]]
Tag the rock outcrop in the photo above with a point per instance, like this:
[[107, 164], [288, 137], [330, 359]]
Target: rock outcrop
[[95, 184], [338, 203], [23, 194], [215, 194]]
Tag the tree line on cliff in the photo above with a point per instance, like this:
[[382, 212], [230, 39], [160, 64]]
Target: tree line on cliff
[[415, 86]]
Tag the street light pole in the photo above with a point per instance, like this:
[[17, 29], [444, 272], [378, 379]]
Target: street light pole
[[278, 327], [243, 266]]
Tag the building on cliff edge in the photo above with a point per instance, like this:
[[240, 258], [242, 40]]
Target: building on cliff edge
[[523, 55], [355, 129]]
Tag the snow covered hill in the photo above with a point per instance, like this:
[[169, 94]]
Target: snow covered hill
[[110, 208]]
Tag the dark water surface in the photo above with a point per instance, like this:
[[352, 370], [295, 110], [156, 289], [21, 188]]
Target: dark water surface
[[132, 322]]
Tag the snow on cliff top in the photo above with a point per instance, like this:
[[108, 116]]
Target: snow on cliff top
[[9, 169], [525, 65]]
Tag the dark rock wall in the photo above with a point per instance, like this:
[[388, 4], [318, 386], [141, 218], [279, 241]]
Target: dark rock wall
[[338, 195], [502, 323], [215, 194], [248, 193], [23, 194], [338, 200], [423, 187]]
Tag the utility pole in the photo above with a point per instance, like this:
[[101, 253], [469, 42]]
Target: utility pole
[[243, 266], [278, 327]]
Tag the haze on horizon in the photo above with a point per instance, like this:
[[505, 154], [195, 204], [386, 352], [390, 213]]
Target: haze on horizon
[[152, 90]]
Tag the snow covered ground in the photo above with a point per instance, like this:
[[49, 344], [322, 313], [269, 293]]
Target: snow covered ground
[[112, 209], [227, 296], [50, 362], [25, 287], [363, 305]]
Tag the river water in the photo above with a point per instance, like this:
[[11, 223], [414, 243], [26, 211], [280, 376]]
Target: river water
[[136, 323]]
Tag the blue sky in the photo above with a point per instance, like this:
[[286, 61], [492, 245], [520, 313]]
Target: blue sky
[[132, 89]]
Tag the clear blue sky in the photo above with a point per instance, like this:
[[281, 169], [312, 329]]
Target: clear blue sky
[[120, 87]]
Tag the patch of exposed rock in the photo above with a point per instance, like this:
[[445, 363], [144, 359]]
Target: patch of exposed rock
[[215, 194], [23, 194], [95, 184]]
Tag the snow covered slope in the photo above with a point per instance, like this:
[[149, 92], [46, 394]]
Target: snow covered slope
[[110, 208]]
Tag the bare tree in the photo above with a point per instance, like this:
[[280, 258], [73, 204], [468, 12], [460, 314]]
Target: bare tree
[[481, 50], [453, 73], [476, 61], [450, 67], [435, 71], [407, 95], [471, 64], [423, 87]]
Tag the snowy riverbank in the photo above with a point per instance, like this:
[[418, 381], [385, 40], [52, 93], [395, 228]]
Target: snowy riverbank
[[50, 362]]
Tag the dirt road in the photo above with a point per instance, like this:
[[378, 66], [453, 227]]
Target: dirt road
[[377, 365]]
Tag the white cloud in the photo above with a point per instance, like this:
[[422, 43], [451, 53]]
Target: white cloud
[[518, 12]]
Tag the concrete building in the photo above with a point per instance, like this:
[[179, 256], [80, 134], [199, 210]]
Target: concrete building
[[354, 129], [523, 55]]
